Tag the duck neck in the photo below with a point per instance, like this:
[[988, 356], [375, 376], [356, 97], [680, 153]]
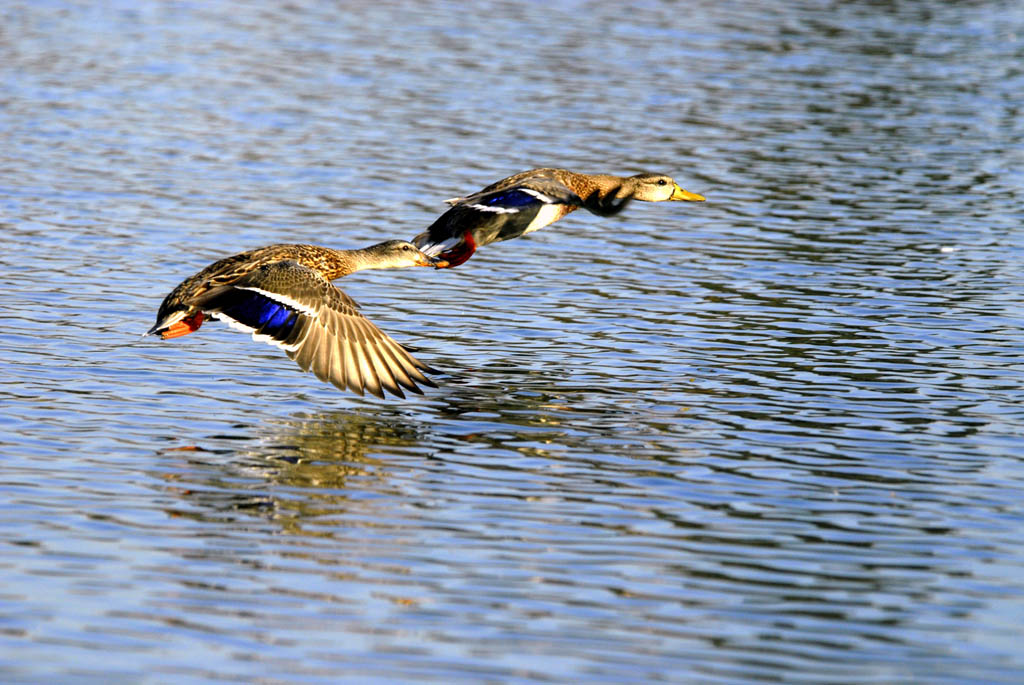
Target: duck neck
[[347, 262], [602, 185], [338, 263]]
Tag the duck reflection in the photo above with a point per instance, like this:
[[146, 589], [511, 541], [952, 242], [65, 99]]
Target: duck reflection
[[300, 468], [307, 470], [336, 439]]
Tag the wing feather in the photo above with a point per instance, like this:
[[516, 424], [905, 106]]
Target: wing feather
[[295, 308]]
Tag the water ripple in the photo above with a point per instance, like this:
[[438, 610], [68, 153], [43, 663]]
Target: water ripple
[[775, 436]]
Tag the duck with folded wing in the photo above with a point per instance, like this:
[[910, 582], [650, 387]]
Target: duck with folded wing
[[531, 200]]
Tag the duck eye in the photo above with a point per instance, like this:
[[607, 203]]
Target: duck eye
[[662, 182]]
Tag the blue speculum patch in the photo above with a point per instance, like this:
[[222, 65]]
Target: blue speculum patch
[[256, 310], [279, 317], [512, 198]]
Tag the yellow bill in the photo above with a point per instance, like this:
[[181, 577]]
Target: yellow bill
[[685, 195]]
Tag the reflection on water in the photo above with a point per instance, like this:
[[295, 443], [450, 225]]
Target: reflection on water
[[300, 470], [773, 437]]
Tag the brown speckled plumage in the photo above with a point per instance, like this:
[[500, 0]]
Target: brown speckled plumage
[[331, 264], [283, 295]]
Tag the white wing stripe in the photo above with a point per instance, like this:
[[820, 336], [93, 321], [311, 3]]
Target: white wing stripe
[[496, 210], [540, 196]]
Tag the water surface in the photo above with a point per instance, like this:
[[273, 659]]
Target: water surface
[[774, 437]]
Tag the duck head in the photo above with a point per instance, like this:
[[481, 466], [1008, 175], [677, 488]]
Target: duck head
[[396, 254], [658, 188]]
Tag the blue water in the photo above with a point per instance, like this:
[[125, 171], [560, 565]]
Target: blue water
[[778, 436]]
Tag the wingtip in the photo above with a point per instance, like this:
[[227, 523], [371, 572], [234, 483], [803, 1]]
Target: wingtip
[[429, 369], [421, 377]]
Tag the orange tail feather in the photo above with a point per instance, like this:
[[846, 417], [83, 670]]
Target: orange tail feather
[[184, 327]]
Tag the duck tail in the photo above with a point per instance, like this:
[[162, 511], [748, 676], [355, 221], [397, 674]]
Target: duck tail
[[446, 240], [177, 324]]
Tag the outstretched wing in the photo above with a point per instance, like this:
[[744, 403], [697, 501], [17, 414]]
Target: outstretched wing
[[295, 308]]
